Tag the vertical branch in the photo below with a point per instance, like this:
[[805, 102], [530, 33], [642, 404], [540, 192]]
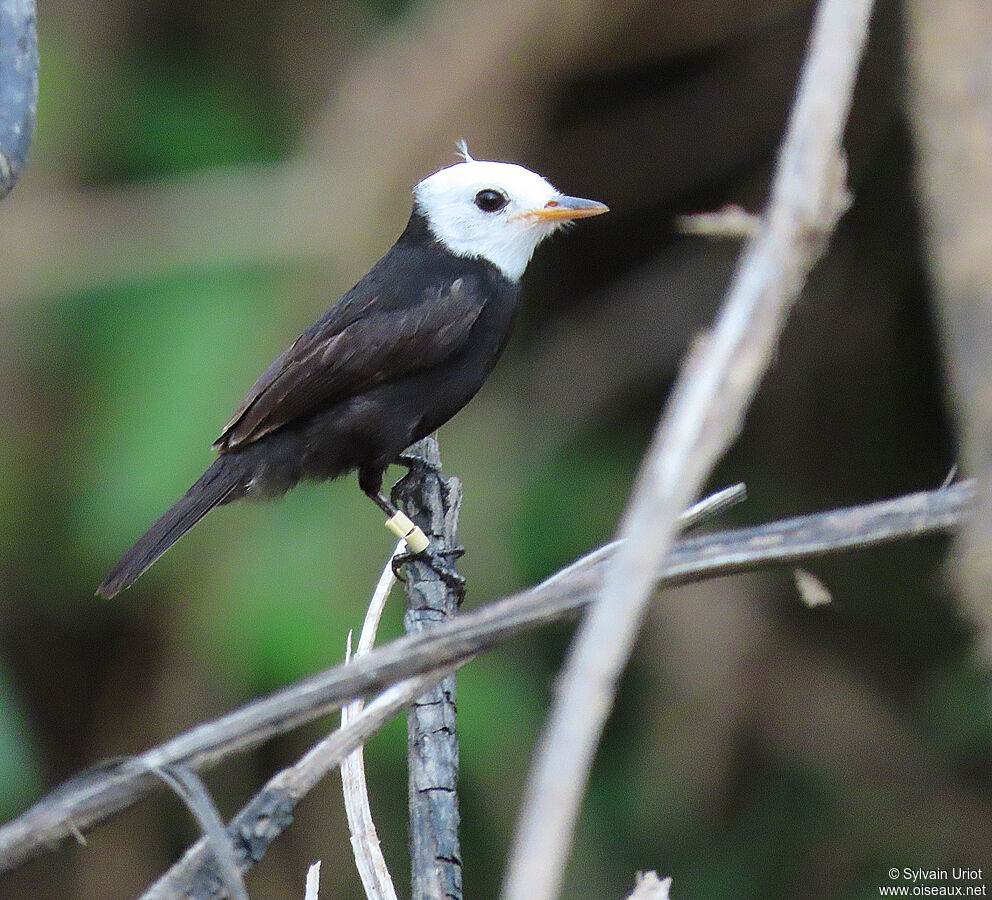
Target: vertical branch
[[18, 88], [950, 48], [704, 415], [433, 502]]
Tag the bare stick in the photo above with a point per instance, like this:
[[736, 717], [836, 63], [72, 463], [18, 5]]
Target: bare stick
[[702, 419], [193, 792], [730, 222], [270, 812], [711, 505], [95, 794], [364, 839], [650, 887], [18, 88], [313, 882], [433, 502], [948, 49]]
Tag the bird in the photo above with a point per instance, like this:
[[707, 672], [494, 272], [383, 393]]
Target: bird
[[391, 361]]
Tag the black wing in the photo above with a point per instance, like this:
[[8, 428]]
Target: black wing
[[359, 343]]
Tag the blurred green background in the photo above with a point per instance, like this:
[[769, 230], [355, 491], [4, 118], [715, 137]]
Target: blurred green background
[[208, 177]]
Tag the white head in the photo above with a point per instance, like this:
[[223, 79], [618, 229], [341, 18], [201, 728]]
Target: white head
[[496, 211]]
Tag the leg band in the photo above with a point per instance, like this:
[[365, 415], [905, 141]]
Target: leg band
[[403, 526]]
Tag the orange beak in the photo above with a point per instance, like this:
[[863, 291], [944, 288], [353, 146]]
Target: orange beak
[[564, 208]]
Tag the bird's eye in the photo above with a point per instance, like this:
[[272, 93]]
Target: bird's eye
[[489, 200]]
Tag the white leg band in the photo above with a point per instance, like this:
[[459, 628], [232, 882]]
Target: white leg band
[[403, 526]]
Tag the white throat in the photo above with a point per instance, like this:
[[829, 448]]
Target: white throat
[[511, 254]]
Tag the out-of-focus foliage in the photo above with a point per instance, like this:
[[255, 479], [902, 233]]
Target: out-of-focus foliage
[[19, 779], [758, 749], [160, 102]]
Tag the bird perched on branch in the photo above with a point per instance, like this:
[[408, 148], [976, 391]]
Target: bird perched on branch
[[391, 361]]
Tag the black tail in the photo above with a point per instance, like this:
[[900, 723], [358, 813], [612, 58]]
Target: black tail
[[214, 487]]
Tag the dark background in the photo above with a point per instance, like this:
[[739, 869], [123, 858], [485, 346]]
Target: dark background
[[207, 177]]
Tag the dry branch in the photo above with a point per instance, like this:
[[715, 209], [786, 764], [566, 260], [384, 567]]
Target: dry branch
[[270, 812], [193, 792], [702, 419], [433, 502], [950, 48], [372, 869], [92, 796], [313, 882], [731, 221]]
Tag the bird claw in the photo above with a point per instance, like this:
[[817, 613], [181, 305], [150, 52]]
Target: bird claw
[[417, 465], [435, 559]]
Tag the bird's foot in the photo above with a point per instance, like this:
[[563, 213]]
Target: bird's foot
[[418, 464], [418, 469], [438, 564]]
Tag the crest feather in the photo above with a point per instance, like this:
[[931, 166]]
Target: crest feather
[[462, 146]]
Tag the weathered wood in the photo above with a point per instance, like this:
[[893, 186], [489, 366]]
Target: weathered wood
[[950, 48], [433, 502], [110, 787]]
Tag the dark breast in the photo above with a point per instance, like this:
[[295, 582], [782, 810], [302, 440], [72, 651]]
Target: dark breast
[[372, 428], [446, 388]]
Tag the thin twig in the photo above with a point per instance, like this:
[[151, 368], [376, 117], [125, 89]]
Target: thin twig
[[193, 792], [709, 506], [703, 417], [730, 222], [94, 795], [313, 882], [371, 863]]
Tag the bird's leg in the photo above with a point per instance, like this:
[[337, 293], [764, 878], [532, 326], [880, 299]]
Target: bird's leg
[[384, 503], [417, 466], [399, 523], [371, 483]]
